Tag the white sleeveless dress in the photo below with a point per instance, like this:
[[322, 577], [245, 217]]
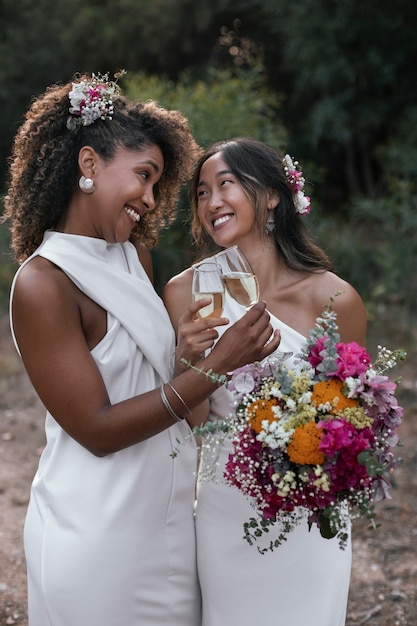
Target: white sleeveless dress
[[111, 541], [303, 581]]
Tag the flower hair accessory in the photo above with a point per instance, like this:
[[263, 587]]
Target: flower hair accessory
[[92, 99], [296, 179]]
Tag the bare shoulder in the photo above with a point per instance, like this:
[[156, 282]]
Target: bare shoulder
[[45, 302], [177, 295], [41, 285], [328, 288], [179, 286]]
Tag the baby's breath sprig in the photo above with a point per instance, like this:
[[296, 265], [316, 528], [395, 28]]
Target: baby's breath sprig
[[387, 359]]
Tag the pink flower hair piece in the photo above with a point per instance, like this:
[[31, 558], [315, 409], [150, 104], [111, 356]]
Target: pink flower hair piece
[[296, 179]]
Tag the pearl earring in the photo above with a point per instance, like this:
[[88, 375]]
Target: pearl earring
[[86, 185]]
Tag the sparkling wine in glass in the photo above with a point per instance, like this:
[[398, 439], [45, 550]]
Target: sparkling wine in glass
[[207, 283], [238, 276], [242, 285]]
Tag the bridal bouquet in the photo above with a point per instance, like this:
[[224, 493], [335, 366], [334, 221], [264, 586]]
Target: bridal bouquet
[[316, 439]]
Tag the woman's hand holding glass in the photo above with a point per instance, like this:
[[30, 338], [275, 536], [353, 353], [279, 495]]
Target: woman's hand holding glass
[[249, 339], [238, 276], [196, 334], [242, 285], [208, 283]]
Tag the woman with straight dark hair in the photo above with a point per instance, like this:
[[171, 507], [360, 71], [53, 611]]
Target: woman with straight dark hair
[[245, 194]]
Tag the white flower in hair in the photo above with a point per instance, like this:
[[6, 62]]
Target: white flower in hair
[[92, 99], [302, 203], [296, 179], [77, 97]]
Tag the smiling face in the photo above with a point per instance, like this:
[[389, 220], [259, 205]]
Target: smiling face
[[124, 192], [225, 210]]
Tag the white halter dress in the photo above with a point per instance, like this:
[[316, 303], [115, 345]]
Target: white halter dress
[[111, 541], [303, 581]]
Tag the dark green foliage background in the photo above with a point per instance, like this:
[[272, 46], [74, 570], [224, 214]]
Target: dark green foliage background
[[329, 81]]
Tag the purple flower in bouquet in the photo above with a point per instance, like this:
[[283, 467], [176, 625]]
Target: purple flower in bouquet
[[245, 380]]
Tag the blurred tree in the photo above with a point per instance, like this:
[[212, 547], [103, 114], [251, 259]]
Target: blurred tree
[[48, 41], [346, 67], [343, 66], [225, 104], [337, 74], [390, 220]]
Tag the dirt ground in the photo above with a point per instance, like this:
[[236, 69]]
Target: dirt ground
[[383, 588]]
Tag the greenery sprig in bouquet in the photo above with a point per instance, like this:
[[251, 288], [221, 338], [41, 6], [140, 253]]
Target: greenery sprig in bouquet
[[316, 439]]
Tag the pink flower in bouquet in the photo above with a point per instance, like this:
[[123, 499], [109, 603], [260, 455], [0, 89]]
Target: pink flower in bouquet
[[314, 355], [353, 360], [342, 443]]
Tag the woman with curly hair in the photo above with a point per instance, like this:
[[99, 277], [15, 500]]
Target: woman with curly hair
[[109, 532]]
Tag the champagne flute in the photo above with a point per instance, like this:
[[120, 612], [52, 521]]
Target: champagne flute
[[242, 285], [238, 276], [207, 283]]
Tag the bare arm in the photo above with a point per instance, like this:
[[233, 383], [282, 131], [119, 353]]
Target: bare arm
[[49, 331], [351, 314], [177, 297]]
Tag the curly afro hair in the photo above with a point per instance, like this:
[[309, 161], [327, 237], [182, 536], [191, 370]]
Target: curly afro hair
[[44, 162]]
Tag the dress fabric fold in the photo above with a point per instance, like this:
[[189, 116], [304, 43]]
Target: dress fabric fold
[[111, 540]]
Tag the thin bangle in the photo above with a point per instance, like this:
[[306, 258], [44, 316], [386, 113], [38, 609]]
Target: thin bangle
[[187, 408], [165, 402]]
